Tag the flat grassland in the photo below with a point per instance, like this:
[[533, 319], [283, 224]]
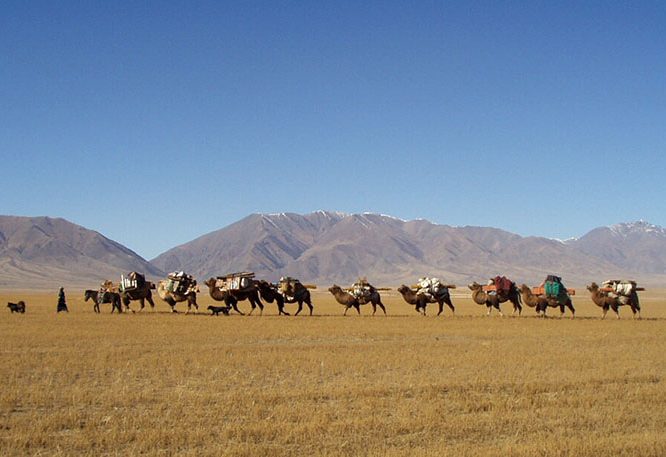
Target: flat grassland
[[162, 384]]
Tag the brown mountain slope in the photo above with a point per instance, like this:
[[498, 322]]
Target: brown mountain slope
[[327, 247], [41, 252]]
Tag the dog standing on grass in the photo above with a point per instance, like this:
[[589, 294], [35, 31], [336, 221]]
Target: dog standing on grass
[[216, 310], [17, 307]]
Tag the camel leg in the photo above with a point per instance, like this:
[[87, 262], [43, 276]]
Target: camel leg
[[374, 308], [150, 301], [605, 311], [381, 305], [126, 302], [449, 303], [441, 308], [489, 309], [232, 303], [358, 309], [300, 308], [281, 310], [346, 308]]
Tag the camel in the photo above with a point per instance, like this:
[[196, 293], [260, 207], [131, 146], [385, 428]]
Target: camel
[[481, 297], [174, 297], [108, 297], [232, 297], [606, 302], [300, 295], [542, 303], [142, 294], [349, 300], [421, 300], [538, 302], [269, 292]]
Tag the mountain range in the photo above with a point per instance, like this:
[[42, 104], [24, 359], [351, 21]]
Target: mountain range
[[336, 247], [325, 247], [40, 252]]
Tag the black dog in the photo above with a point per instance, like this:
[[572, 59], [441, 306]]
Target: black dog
[[216, 310], [17, 307]]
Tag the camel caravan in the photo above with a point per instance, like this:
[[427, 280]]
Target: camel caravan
[[179, 287]]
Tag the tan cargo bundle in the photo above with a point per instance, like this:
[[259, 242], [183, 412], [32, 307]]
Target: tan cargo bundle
[[287, 285], [181, 283], [235, 281]]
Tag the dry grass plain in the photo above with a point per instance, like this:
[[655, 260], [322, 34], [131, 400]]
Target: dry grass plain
[[163, 384]]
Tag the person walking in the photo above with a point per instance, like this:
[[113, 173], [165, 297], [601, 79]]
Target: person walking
[[62, 303]]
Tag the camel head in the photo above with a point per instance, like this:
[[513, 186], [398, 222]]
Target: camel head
[[334, 289], [524, 288], [474, 286], [593, 287], [210, 282], [404, 289]]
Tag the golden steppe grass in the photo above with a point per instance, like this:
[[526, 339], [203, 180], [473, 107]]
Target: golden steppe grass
[[403, 385]]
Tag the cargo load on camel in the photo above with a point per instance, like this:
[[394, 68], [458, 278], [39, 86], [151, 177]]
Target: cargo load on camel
[[362, 290], [235, 281], [552, 287], [180, 283], [432, 287], [501, 285], [132, 281], [287, 285]]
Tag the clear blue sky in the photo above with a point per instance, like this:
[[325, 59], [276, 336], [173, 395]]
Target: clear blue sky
[[157, 122]]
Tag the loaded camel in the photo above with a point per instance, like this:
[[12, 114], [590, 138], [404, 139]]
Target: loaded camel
[[176, 297], [421, 300], [541, 303], [232, 297], [605, 302], [300, 294], [107, 297], [349, 300], [481, 297]]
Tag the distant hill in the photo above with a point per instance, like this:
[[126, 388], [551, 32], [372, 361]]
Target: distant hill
[[639, 247], [41, 252], [328, 247]]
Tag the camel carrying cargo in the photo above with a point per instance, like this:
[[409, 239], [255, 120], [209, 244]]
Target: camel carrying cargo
[[235, 281], [615, 293]]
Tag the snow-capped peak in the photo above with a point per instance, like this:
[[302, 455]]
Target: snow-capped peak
[[628, 228]]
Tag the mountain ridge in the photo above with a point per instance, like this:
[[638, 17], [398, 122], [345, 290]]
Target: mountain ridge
[[42, 251], [391, 250], [331, 246]]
